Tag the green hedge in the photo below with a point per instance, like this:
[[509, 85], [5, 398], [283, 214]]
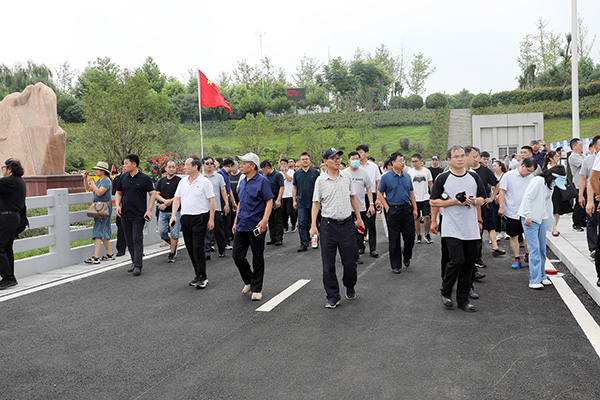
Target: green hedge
[[438, 133], [588, 107]]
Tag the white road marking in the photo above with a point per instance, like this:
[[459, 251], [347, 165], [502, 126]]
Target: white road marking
[[275, 301], [76, 277], [582, 316]]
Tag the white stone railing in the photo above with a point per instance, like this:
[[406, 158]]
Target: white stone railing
[[60, 235]]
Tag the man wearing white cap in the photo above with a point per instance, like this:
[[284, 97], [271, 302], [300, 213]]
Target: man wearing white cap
[[254, 209]]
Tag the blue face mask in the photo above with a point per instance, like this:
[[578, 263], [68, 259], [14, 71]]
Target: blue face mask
[[355, 163]]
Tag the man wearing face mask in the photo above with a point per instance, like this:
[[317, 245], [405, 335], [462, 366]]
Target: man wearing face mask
[[362, 183]]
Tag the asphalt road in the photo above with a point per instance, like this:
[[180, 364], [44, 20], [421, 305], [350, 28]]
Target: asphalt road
[[114, 336]]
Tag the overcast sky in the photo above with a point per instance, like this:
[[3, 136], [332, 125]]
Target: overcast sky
[[473, 44]]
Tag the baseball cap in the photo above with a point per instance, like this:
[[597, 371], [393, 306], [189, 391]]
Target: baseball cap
[[435, 158], [330, 152], [250, 157]]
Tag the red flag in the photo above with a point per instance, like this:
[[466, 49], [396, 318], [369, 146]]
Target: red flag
[[113, 170], [211, 95]]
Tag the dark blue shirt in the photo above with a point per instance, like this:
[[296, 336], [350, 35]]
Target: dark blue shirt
[[305, 186], [253, 195], [225, 176], [539, 157], [276, 181], [396, 187], [134, 191]]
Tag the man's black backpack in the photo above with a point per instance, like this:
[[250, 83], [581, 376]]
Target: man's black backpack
[[23, 222]]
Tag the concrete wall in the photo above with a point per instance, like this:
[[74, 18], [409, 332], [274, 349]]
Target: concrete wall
[[505, 133]]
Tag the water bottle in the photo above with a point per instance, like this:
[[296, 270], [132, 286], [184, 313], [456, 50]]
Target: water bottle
[[315, 241]]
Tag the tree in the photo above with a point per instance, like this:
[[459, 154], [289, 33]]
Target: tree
[[337, 76], [23, 75], [173, 88], [306, 72], [254, 133], [64, 77], [123, 115], [156, 79], [314, 141], [461, 100], [420, 70], [102, 73]]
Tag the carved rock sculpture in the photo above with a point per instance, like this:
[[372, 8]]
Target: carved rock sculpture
[[29, 131]]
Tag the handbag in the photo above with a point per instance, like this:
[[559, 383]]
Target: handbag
[[98, 209], [569, 193]]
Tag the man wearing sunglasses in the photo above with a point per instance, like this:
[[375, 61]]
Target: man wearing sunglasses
[[220, 192]]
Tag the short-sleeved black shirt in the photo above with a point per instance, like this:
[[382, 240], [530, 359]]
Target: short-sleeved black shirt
[[276, 181], [167, 188], [435, 172], [487, 177], [134, 191], [305, 186]]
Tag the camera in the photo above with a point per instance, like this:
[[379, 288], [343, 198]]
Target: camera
[[462, 196]]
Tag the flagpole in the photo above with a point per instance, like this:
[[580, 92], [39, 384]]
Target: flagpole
[[200, 117]]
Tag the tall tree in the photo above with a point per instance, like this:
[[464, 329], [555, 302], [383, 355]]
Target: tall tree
[[337, 76], [156, 79], [420, 70]]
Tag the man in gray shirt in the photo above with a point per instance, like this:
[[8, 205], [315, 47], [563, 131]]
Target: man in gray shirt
[[220, 195], [362, 184], [575, 162]]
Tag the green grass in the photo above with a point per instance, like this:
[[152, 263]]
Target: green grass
[[45, 250], [558, 129]]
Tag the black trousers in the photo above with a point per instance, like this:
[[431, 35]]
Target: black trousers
[[400, 222], [370, 228], [360, 239], [194, 228], [217, 234], [334, 237], [121, 243], [133, 228], [8, 228], [460, 268], [592, 227], [252, 276], [276, 225], [579, 215], [288, 212]]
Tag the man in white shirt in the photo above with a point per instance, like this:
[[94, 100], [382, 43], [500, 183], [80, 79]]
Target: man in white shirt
[[287, 200], [197, 199], [594, 184], [512, 189], [575, 162], [374, 174], [422, 184]]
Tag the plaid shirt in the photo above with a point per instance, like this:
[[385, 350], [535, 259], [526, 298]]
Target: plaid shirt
[[334, 195]]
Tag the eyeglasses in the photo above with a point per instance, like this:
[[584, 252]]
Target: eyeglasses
[[209, 163], [4, 166], [338, 158], [400, 160], [458, 156]]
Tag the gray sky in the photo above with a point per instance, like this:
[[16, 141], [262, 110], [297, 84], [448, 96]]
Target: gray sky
[[472, 43]]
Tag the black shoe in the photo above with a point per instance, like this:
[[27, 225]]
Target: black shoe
[[577, 228], [193, 282], [201, 284], [302, 248], [598, 283], [270, 242], [396, 270], [478, 276], [498, 252], [361, 251], [207, 258], [278, 243], [5, 283], [374, 254], [359, 261], [473, 294], [406, 262], [419, 241], [480, 264], [137, 271], [120, 254], [130, 269], [447, 302], [468, 307], [171, 258]]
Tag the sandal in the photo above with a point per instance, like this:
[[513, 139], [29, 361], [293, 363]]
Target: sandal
[[92, 260], [108, 257], [555, 234]]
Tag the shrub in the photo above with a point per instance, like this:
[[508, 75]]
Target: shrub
[[397, 102], [414, 101], [480, 100], [436, 100], [404, 143]]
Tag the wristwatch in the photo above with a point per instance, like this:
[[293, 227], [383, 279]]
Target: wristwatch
[[444, 196]]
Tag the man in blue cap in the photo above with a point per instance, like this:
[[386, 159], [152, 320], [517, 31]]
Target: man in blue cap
[[335, 194]]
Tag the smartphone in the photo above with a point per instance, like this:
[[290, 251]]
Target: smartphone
[[256, 232], [173, 223], [147, 219], [536, 142]]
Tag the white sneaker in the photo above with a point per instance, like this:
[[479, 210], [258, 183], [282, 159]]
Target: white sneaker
[[536, 286], [546, 282], [228, 247], [256, 296], [246, 289]]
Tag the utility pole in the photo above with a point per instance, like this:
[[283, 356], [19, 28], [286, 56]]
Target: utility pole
[[574, 68], [260, 34]]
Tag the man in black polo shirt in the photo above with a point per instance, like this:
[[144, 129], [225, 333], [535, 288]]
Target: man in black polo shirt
[[12, 201], [130, 202], [275, 179], [302, 195], [165, 194]]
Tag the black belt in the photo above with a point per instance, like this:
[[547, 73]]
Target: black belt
[[8, 212], [399, 205], [338, 221]]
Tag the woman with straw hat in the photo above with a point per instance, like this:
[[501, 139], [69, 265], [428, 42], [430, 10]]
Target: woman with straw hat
[[102, 193]]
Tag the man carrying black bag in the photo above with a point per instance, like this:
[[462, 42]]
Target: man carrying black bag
[[12, 201]]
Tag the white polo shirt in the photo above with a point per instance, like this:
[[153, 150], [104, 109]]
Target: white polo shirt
[[194, 195], [514, 184], [374, 175], [288, 186]]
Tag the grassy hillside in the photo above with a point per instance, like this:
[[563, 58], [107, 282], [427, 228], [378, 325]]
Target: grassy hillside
[[558, 129]]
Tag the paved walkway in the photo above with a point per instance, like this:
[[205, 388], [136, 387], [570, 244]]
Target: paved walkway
[[572, 249]]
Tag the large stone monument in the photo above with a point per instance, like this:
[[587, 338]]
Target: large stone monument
[[29, 131]]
